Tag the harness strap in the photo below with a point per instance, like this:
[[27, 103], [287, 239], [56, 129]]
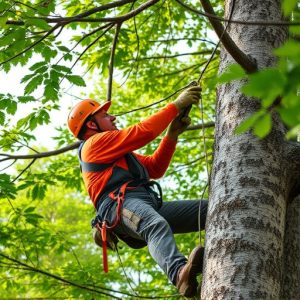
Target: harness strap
[[103, 226]]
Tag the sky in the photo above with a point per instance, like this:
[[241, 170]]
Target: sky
[[11, 84]]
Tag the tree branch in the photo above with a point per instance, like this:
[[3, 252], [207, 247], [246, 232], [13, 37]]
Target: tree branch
[[172, 56], [76, 144], [111, 62], [95, 289], [182, 39], [26, 168], [88, 47], [258, 23], [41, 154], [81, 17], [200, 126], [33, 269], [238, 55]]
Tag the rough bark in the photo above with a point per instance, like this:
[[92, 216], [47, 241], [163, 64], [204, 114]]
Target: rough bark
[[249, 183], [291, 266]]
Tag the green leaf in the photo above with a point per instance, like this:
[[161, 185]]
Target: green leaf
[[43, 117], [75, 79], [35, 192], [25, 99], [9, 105], [37, 65], [7, 187], [3, 20], [24, 121], [294, 132], [290, 49], [266, 85], [263, 126], [29, 209], [2, 118], [61, 68], [33, 84], [50, 92], [233, 72], [288, 6], [249, 122], [290, 116], [48, 53], [27, 77], [38, 23]]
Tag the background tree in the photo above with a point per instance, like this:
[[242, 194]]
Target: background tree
[[139, 54]]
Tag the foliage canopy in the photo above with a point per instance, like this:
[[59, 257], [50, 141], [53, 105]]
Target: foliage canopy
[[46, 248]]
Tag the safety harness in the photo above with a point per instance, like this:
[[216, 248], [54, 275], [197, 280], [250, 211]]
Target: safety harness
[[116, 187]]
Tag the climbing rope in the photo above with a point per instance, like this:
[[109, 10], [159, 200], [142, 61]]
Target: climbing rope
[[202, 118]]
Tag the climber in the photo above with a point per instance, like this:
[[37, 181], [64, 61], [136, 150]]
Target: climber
[[128, 204]]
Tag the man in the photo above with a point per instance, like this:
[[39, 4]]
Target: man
[[118, 182]]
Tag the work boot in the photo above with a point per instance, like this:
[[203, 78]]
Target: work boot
[[186, 277]]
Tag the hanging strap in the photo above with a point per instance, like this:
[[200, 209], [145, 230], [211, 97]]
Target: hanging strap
[[104, 226]]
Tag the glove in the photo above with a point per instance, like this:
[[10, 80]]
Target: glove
[[188, 97]]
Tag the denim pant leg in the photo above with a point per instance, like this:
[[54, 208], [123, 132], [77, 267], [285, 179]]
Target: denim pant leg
[[183, 216], [155, 230]]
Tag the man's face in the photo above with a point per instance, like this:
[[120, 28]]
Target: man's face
[[105, 121]]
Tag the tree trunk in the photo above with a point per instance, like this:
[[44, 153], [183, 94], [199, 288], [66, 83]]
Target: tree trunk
[[249, 183], [291, 266]]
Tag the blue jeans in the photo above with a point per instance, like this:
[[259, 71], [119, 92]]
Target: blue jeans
[[155, 223]]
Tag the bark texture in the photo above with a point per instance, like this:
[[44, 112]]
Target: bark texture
[[249, 184], [291, 268]]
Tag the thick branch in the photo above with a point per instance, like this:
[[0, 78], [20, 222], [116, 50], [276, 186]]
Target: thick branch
[[76, 145], [238, 55], [41, 154], [76, 17], [81, 17], [257, 22]]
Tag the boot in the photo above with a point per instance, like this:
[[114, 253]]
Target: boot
[[186, 277]]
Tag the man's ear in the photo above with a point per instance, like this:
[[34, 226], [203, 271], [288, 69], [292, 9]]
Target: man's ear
[[91, 125]]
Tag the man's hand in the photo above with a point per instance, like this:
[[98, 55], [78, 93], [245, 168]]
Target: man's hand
[[188, 97], [178, 126]]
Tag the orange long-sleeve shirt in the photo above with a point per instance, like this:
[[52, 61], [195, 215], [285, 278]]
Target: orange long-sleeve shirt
[[112, 146]]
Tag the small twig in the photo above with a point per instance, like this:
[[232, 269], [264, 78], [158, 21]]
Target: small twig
[[87, 48], [152, 104], [8, 166], [84, 37], [24, 170], [173, 56], [111, 61], [200, 126], [182, 39]]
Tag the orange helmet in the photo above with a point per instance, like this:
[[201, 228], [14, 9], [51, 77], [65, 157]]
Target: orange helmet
[[81, 111]]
